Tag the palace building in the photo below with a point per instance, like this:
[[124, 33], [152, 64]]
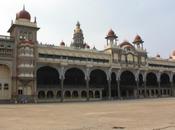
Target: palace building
[[37, 72]]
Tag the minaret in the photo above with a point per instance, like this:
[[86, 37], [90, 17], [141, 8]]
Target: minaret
[[111, 38], [78, 38]]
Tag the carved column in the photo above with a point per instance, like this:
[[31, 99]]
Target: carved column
[[87, 89], [109, 89], [108, 73], [145, 85], [87, 82], [118, 84], [62, 83], [118, 88], [158, 80], [137, 88], [137, 83], [62, 89]]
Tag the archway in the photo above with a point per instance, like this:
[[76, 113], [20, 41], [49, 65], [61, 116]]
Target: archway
[[75, 94], [74, 78], [151, 83], [141, 83], [83, 94], [97, 94], [50, 95], [41, 95], [91, 95], [47, 77], [164, 80], [151, 80], [58, 94], [98, 79], [128, 84], [67, 94]]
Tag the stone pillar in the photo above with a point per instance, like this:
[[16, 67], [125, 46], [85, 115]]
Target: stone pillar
[[87, 89], [87, 78], [62, 89], [62, 82], [118, 89], [145, 89], [109, 89], [137, 89], [158, 81]]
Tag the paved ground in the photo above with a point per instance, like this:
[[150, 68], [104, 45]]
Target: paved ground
[[145, 114]]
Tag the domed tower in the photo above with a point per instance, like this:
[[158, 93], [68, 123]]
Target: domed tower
[[138, 42], [24, 31], [78, 38], [111, 38]]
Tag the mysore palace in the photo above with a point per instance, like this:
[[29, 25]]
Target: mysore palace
[[34, 72]]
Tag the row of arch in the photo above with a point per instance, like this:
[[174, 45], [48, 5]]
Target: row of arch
[[76, 76], [48, 77], [68, 94]]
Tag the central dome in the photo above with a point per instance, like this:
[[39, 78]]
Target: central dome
[[23, 14]]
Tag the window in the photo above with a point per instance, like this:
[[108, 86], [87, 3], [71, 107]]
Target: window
[[19, 91], [6, 86], [0, 86], [29, 36], [123, 58], [129, 58], [135, 59]]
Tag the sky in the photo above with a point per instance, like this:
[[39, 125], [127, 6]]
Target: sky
[[153, 20]]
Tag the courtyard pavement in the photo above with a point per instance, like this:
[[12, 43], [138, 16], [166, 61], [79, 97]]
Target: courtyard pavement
[[141, 114]]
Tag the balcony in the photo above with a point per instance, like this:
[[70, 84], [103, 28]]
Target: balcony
[[77, 62], [25, 75], [25, 66], [2, 37]]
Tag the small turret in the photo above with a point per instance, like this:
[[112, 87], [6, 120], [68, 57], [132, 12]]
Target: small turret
[[111, 38], [138, 42]]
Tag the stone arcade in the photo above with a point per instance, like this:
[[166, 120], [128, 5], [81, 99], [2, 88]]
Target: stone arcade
[[46, 73]]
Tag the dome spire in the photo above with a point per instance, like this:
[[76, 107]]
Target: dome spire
[[23, 6], [78, 24]]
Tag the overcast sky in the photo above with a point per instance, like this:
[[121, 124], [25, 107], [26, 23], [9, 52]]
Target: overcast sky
[[153, 20]]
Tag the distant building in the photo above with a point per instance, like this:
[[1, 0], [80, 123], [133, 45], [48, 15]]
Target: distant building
[[31, 71]]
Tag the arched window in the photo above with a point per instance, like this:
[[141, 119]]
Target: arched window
[[129, 58], [123, 58]]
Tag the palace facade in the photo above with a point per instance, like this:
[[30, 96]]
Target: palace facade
[[34, 72]]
